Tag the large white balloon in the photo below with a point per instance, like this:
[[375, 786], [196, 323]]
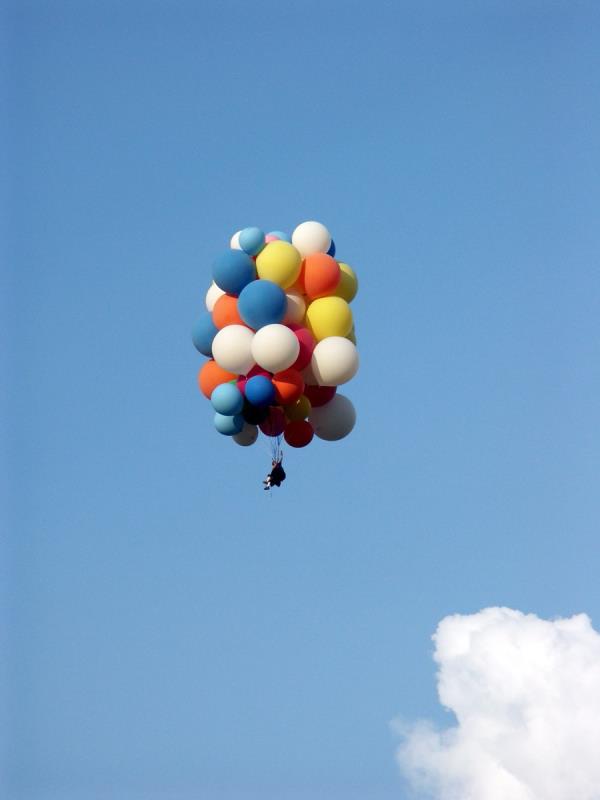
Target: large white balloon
[[213, 294], [274, 347], [334, 420], [311, 237], [334, 361], [232, 349], [234, 242], [247, 436], [296, 308]]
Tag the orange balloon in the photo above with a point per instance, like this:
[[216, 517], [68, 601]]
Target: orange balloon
[[212, 375], [321, 275], [289, 386], [225, 312], [299, 285]]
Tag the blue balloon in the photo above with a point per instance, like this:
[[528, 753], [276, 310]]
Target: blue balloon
[[229, 425], [232, 270], [203, 333], [283, 237], [227, 399], [259, 391], [252, 241], [262, 303], [331, 251]]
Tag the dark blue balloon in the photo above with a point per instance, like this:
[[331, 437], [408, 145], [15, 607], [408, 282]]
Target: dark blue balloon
[[331, 251], [254, 415], [259, 391], [203, 333], [262, 303], [232, 270]]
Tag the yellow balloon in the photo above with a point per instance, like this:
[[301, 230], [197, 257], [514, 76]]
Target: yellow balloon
[[298, 410], [329, 316], [279, 262], [348, 285], [352, 335]]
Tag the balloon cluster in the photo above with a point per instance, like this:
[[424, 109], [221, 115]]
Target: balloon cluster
[[279, 334]]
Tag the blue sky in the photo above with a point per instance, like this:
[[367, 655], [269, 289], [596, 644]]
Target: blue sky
[[172, 632]]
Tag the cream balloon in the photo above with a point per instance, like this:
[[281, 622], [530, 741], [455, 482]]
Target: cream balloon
[[296, 308], [234, 242], [213, 294], [232, 349], [274, 347], [334, 361], [247, 436], [310, 379], [311, 237], [334, 420]]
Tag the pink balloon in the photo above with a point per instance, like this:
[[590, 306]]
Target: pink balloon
[[270, 238], [307, 345], [274, 425]]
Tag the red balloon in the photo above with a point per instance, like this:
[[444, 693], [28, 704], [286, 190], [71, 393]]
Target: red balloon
[[298, 434], [289, 386], [274, 425], [307, 345], [319, 395]]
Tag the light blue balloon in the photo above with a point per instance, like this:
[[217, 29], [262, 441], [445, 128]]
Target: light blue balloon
[[252, 241], [229, 425], [283, 237], [227, 399], [203, 333]]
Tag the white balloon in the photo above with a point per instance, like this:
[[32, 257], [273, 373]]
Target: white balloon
[[274, 347], [232, 349], [334, 361], [296, 308], [247, 436], [234, 242], [311, 237], [334, 420], [213, 294]]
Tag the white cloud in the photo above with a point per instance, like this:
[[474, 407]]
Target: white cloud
[[526, 696]]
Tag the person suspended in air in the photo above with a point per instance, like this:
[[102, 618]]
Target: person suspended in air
[[276, 476]]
